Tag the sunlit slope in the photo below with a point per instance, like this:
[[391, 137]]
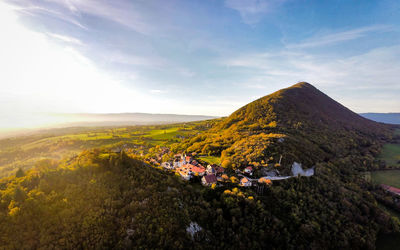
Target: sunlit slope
[[300, 123], [24, 151]]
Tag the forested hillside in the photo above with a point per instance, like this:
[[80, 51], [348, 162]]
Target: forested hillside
[[102, 199]]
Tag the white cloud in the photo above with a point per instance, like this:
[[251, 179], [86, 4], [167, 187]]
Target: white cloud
[[338, 37]]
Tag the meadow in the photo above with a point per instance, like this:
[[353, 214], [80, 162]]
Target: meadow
[[391, 154], [24, 151], [211, 159], [388, 177]]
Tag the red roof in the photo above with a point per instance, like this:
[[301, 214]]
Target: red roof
[[210, 178], [244, 179], [198, 169], [249, 168], [391, 189]]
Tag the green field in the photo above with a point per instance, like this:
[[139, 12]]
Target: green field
[[24, 151], [211, 159], [391, 154], [388, 177]]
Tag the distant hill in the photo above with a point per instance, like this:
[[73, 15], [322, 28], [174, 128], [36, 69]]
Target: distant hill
[[301, 102], [103, 120], [91, 119], [390, 118], [314, 126]]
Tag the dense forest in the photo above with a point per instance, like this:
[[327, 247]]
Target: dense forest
[[102, 198]]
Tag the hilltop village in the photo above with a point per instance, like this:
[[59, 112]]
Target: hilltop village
[[192, 168]]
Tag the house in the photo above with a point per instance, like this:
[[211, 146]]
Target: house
[[265, 181], [185, 173], [177, 163], [200, 170], [211, 170], [188, 159], [244, 182], [190, 169], [390, 189], [208, 180], [248, 170]]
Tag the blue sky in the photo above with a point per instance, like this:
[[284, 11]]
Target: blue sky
[[195, 57]]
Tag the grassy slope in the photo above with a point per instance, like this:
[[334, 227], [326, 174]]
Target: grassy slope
[[391, 154], [388, 177], [56, 144], [316, 128], [211, 159]]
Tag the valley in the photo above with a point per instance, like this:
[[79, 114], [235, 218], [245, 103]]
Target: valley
[[22, 152]]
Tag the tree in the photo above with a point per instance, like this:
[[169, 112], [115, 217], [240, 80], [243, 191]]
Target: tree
[[19, 173], [226, 163]]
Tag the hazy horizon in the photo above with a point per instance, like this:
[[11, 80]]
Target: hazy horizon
[[35, 121], [192, 57]]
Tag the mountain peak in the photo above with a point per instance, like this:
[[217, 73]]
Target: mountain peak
[[302, 85], [301, 103]]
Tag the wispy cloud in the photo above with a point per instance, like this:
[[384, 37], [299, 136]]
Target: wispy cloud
[[365, 74], [122, 12], [31, 9], [135, 15], [66, 39], [338, 37], [252, 11], [360, 70]]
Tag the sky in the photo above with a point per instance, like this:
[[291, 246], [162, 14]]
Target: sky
[[207, 57]]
